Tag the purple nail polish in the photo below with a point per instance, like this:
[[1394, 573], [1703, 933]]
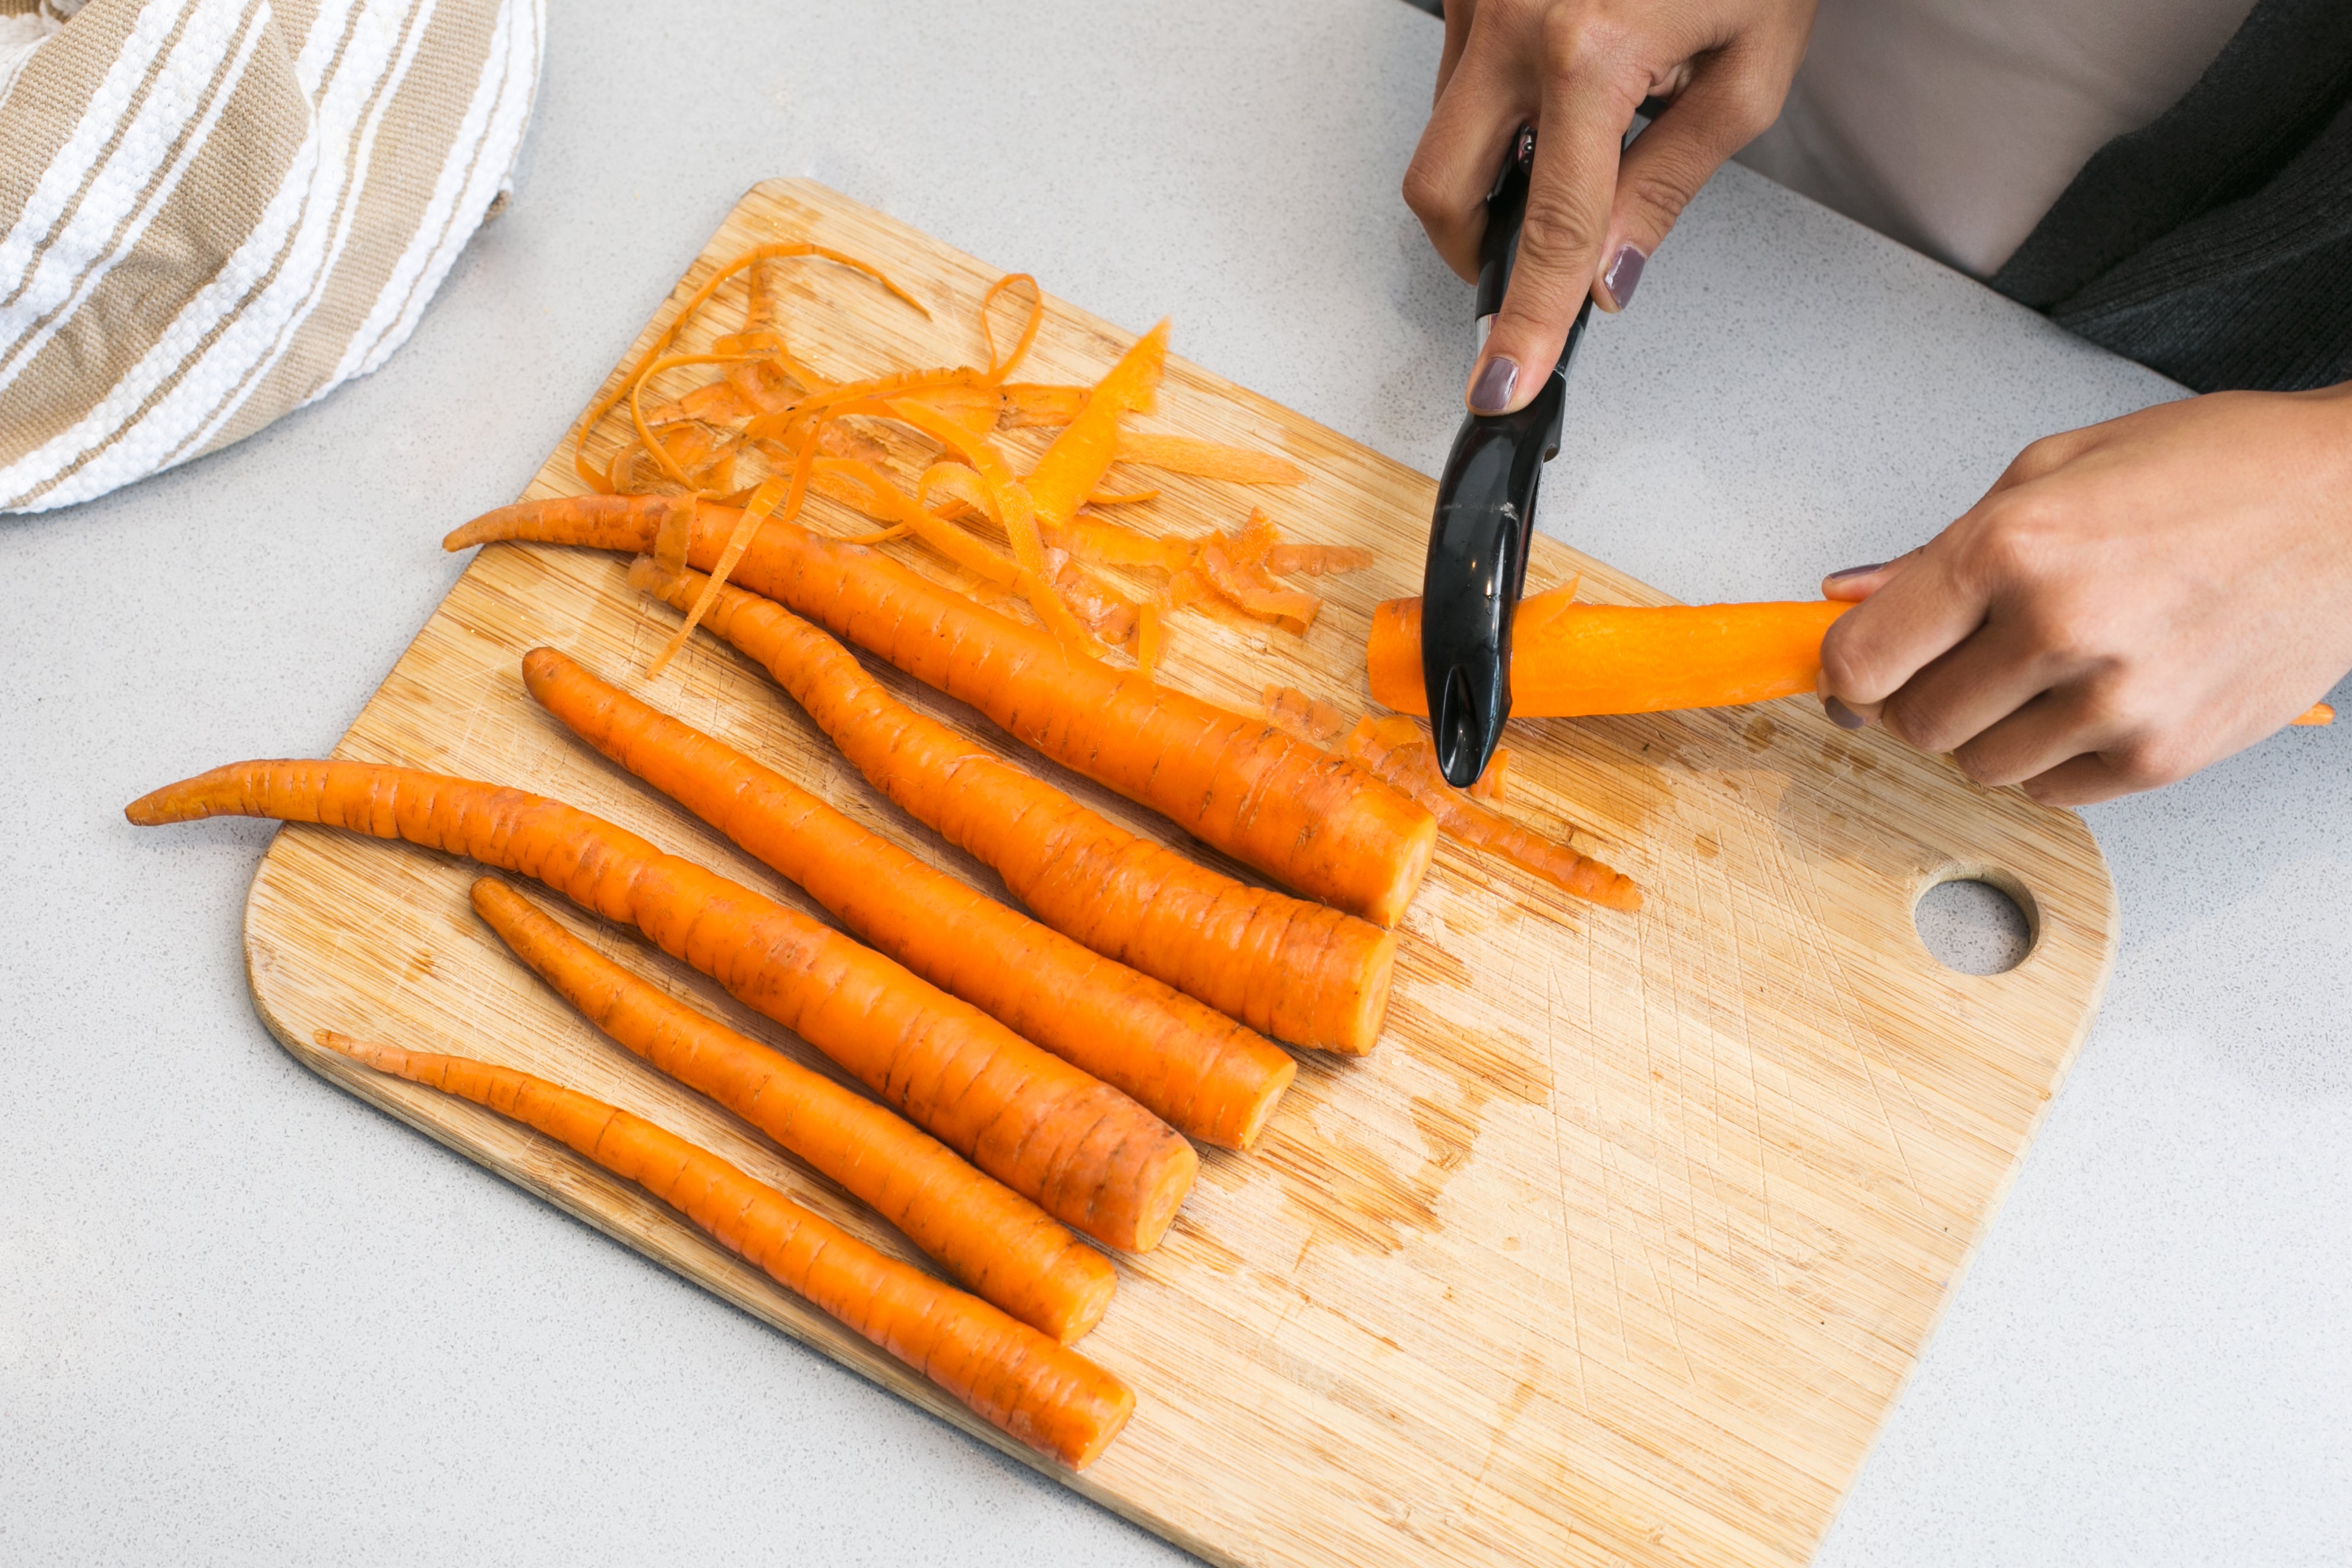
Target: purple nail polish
[[1491, 392], [1843, 717], [1856, 570], [1624, 275]]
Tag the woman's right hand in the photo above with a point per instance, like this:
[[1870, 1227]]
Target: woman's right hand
[[1577, 69]]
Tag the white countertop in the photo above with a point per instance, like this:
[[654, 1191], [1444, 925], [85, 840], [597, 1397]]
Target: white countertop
[[243, 1317]]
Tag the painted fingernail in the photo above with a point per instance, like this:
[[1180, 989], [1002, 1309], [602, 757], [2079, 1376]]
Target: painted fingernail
[[1491, 392], [1843, 717], [1624, 275], [1856, 570]]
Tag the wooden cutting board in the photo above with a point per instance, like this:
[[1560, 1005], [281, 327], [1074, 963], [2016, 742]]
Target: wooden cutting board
[[1618, 1249]]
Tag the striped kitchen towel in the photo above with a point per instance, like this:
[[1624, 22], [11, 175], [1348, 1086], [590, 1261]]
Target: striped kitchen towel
[[214, 211]]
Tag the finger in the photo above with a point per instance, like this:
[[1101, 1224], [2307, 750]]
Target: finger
[[1457, 34], [1859, 583], [1482, 106], [2080, 781], [1919, 615], [2044, 733], [1959, 695], [1722, 109], [1569, 191]]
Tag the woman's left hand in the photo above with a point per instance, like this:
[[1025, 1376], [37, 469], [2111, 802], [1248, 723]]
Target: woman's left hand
[[2127, 603]]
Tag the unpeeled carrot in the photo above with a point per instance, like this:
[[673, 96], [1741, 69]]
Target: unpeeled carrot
[[1397, 749], [997, 1243], [1298, 971], [1316, 823], [1205, 1074], [1039, 1392], [1084, 1151], [1570, 659]]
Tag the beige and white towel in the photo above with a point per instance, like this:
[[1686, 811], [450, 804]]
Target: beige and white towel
[[214, 211]]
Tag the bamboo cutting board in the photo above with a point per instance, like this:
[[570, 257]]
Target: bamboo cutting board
[[1620, 1247]]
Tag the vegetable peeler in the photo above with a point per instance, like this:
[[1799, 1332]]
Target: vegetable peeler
[[1485, 508]]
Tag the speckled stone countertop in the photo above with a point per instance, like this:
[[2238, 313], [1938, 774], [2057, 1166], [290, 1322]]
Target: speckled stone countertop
[[243, 1317]]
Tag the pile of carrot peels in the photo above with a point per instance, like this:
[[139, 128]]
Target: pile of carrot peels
[[917, 452]]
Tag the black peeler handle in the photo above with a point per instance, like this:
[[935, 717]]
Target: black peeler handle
[[1485, 508]]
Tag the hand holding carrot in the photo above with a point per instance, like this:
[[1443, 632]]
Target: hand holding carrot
[[2128, 603]]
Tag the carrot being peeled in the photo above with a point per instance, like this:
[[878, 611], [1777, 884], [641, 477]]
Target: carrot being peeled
[[1397, 750], [1316, 823], [1294, 970], [998, 1244], [1569, 659], [1040, 1392], [1205, 1074], [1082, 1151]]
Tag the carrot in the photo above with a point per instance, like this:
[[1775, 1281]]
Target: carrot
[[1208, 460], [997, 1243], [1570, 659], [1203, 1073], [1069, 470], [1085, 1152], [1040, 1393], [1314, 822], [1310, 719], [2317, 713], [1038, 402], [1396, 750], [1495, 782], [1291, 969]]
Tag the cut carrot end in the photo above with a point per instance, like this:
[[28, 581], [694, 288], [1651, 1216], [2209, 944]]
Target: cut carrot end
[[2317, 713]]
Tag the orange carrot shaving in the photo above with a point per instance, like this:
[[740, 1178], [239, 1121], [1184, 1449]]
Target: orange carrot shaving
[[877, 395], [862, 486], [1313, 822], [1292, 969], [1317, 559], [2317, 713], [1102, 609], [1036, 403], [1205, 1074], [1396, 750], [1247, 586], [1070, 470], [1570, 659], [1107, 543], [764, 501], [1310, 719], [1042, 1392], [998, 369], [1492, 783], [1208, 459], [1147, 638], [1126, 497], [1081, 1149], [996, 1243], [669, 334]]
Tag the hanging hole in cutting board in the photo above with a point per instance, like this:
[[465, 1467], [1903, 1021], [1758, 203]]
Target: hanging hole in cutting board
[[1977, 919]]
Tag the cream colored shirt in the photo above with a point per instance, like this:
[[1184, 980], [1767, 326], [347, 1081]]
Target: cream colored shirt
[[1952, 125]]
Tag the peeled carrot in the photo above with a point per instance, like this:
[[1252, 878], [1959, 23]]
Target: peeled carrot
[[1570, 659], [1397, 750], [1084, 1151], [2317, 713], [1208, 460], [1294, 970], [1316, 823], [1040, 1393], [1205, 1074], [997, 1243]]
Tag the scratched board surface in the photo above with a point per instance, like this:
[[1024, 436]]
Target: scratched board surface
[[1619, 1247]]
